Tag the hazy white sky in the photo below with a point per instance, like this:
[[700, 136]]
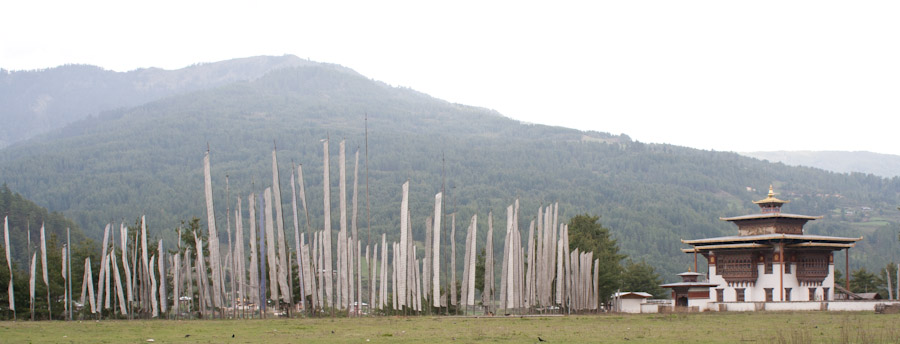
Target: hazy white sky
[[723, 75]]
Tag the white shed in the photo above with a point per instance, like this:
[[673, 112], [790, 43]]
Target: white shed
[[628, 301]]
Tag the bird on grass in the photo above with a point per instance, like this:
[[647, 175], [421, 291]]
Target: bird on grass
[[541, 339]]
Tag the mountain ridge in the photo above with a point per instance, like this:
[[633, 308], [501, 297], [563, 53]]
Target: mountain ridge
[[884, 165], [38, 101], [147, 160]]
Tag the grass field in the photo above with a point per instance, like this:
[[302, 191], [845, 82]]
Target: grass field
[[760, 327]]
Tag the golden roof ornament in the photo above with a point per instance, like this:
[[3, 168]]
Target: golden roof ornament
[[771, 199]]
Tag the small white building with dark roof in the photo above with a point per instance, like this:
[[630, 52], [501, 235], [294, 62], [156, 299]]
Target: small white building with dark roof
[[629, 301]]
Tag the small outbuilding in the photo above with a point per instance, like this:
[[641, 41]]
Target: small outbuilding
[[690, 292], [629, 301]]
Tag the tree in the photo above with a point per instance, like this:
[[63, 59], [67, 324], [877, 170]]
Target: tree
[[863, 281], [641, 276], [888, 273], [187, 230], [588, 235]]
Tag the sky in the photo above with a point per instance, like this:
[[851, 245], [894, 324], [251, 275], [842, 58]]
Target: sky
[[720, 75]]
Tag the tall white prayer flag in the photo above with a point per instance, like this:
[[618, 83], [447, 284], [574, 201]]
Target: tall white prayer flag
[[65, 281], [436, 252], [464, 286], [254, 254], [31, 281], [176, 279], [472, 259], [282, 245], [383, 278], [202, 279], [394, 270], [123, 236], [163, 299], [240, 258], [103, 271], [106, 281], [342, 269], [272, 260], [153, 299], [89, 282], [355, 232], [213, 238], [297, 246], [426, 262], [453, 259], [488, 290], [529, 274], [145, 260], [404, 241], [326, 240], [12, 299], [44, 256], [509, 255], [118, 280]]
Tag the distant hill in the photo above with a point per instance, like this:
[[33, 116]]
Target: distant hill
[[147, 160], [37, 101], [884, 165]]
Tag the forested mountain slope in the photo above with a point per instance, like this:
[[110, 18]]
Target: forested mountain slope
[[885, 165], [35, 102], [148, 160], [24, 217]]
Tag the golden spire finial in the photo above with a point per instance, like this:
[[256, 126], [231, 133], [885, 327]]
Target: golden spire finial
[[771, 199]]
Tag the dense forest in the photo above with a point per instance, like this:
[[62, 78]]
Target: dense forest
[[122, 163]]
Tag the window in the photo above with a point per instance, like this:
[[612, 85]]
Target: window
[[812, 267], [812, 294], [739, 292], [737, 267], [768, 263], [787, 267], [720, 295], [769, 294], [825, 294], [787, 294]]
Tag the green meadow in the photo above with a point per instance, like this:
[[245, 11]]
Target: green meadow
[[758, 327]]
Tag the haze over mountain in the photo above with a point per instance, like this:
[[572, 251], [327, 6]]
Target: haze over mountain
[[147, 160], [35, 102], [884, 165]]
